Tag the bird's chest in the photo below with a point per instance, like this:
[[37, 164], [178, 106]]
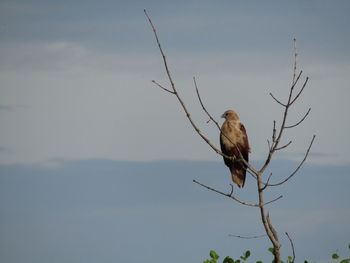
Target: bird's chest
[[231, 135]]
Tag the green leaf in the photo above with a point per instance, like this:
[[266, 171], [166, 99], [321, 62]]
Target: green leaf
[[237, 261], [335, 256], [213, 255], [305, 261], [290, 259], [259, 261], [206, 261], [271, 250], [247, 254], [345, 260], [213, 261], [228, 260]]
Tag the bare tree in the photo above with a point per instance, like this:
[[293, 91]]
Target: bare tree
[[273, 145]]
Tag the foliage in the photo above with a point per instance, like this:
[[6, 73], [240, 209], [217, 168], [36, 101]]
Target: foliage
[[337, 257], [214, 257]]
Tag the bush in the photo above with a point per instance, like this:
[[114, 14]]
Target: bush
[[214, 257]]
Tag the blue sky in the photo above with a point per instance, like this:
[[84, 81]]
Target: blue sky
[[107, 211], [76, 88]]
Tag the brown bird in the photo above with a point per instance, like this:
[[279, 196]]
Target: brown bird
[[234, 140]]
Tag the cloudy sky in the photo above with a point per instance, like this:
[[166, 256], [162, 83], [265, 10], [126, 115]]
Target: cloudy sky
[[76, 76], [76, 87]]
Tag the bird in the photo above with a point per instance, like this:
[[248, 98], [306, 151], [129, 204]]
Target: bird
[[233, 141]]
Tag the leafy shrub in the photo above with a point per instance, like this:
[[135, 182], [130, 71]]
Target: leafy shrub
[[214, 257]]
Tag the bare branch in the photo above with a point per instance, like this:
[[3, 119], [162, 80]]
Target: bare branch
[[294, 125], [266, 222], [299, 166], [268, 179], [177, 94], [276, 141], [203, 107], [295, 60], [247, 237], [273, 230], [284, 146], [304, 85], [230, 195], [227, 195], [273, 200], [160, 86], [284, 105], [295, 82], [274, 131], [161, 51], [292, 245], [267, 182]]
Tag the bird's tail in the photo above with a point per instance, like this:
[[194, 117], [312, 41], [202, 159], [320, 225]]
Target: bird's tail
[[238, 176]]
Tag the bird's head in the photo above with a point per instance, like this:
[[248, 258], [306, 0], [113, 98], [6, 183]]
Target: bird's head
[[230, 115]]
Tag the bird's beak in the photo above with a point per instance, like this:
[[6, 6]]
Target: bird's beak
[[223, 115]]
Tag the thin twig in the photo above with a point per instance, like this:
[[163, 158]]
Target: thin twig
[[161, 51], [203, 107], [227, 195], [301, 90], [296, 81], [273, 200], [247, 237], [284, 146], [295, 60], [284, 105], [294, 125], [292, 245], [179, 98], [276, 140], [267, 182], [299, 166], [230, 195], [160, 86]]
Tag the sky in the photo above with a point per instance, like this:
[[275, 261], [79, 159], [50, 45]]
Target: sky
[[76, 77], [76, 90], [110, 211]]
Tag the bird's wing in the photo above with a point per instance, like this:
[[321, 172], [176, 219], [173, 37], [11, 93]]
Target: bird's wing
[[244, 149], [226, 149]]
